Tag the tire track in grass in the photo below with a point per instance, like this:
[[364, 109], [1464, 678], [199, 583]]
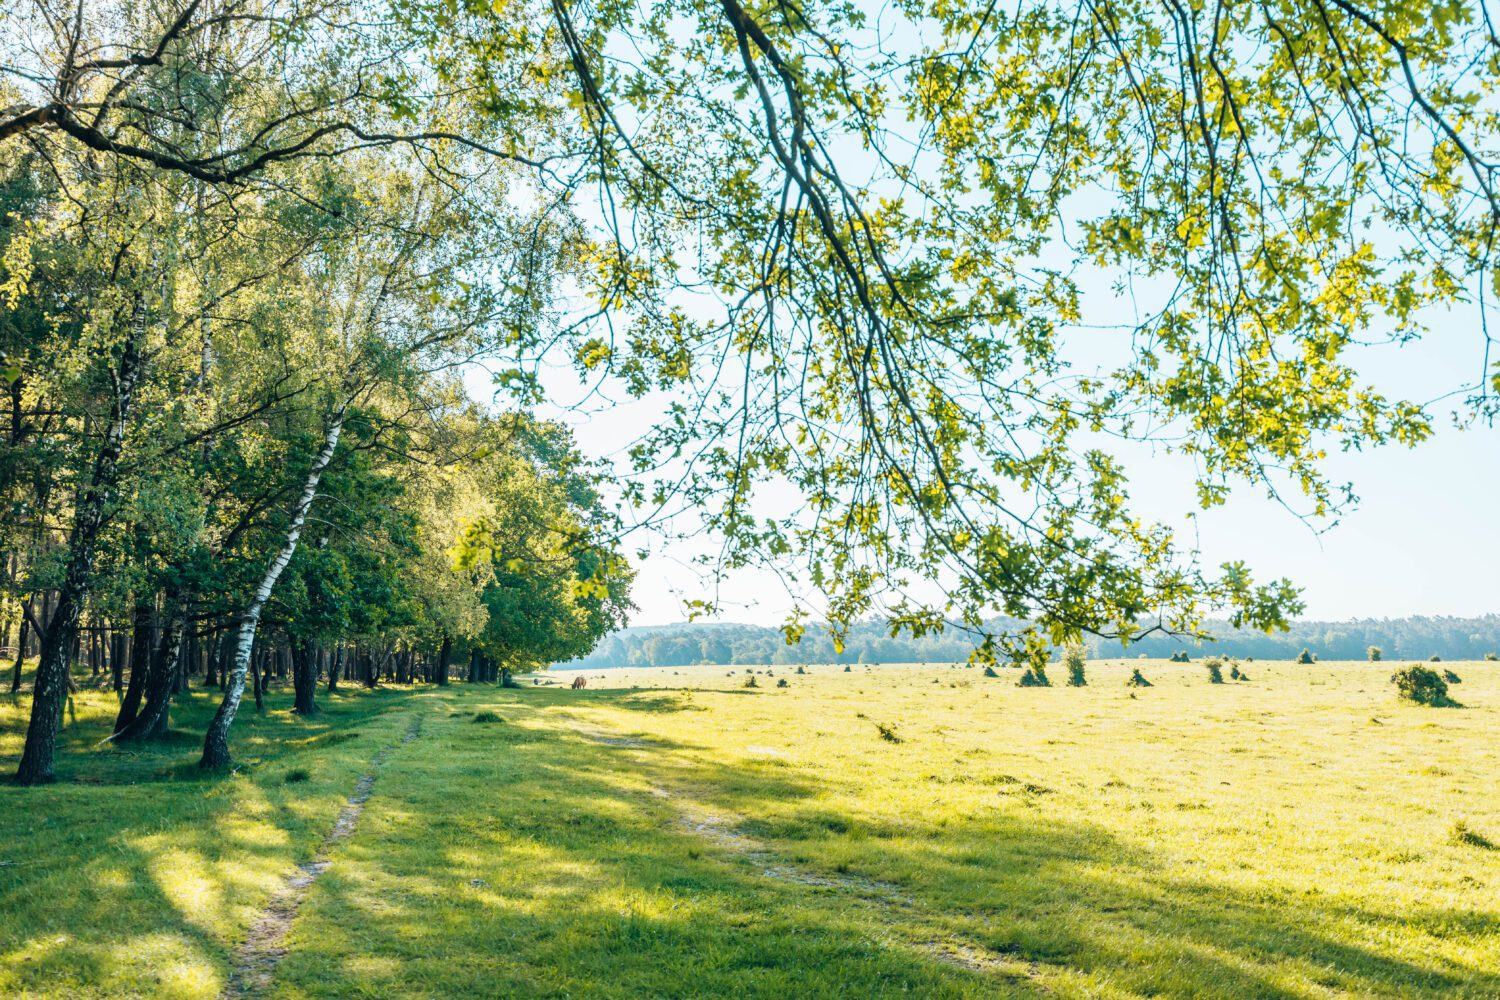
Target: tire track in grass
[[725, 832], [263, 949]]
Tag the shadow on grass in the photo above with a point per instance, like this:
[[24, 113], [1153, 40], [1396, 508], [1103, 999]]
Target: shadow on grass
[[527, 863]]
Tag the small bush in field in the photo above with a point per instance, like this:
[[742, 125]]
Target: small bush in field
[[1236, 674], [1434, 658], [750, 682], [847, 668], [1305, 658], [296, 775], [801, 671], [990, 672], [781, 682], [1492, 657], [888, 733], [1035, 677], [1418, 684], [1137, 680], [1451, 677], [487, 717], [1373, 654], [1180, 656], [1074, 656], [1215, 670]]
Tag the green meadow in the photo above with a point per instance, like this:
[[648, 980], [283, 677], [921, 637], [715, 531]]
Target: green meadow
[[915, 830]]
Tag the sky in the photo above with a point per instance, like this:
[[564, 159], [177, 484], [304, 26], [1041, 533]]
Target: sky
[[1424, 538]]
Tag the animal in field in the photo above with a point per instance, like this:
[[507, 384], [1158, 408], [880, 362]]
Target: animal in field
[[580, 682]]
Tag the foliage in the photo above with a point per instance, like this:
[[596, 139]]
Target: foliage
[[1215, 670], [1306, 658], [1421, 685], [1074, 658]]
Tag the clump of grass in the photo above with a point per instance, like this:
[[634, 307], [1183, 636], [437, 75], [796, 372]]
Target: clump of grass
[[1451, 677], [487, 717], [296, 775], [1461, 836], [1215, 670], [1420, 685], [750, 682], [1034, 677], [1137, 679], [888, 733], [1074, 657]]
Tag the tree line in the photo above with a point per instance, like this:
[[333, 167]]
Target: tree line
[[1416, 638], [915, 270]]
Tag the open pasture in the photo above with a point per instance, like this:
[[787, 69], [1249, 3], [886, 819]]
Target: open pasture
[[893, 830]]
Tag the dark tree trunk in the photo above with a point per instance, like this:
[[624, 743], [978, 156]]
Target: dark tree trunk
[[15, 678], [305, 677], [140, 656], [445, 654], [335, 664], [153, 721], [52, 678]]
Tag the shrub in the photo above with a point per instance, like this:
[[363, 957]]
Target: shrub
[[801, 671], [487, 717], [847, 668], [1434, 658], [1373, 654], [1305, 658], [888, 733], [1421, 685], [1180, 656], [990, 672], [781, 682], [1451, 677], [750, 682], [296, 775], [1236, 674], [1215, 670], [1492, 656], [1074, 656], [1137, 680], [1035, 677]]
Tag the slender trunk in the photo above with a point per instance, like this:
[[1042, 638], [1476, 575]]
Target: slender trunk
[[52, 669], [140, 667], [335, 664], [445, 653], [216, 741], [153, 721], [15, 678]]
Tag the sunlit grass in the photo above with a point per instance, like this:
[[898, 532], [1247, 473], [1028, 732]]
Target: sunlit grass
[[1293, 835]]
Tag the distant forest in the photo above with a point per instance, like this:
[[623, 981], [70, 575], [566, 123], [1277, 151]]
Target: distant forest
[[690, 644]]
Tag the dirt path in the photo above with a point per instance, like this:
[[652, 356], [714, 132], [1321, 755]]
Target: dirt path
[[724, 831], [255, 962]]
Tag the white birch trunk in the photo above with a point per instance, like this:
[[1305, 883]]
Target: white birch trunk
[[216, 742]]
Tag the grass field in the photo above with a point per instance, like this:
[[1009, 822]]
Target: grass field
[[670, 833]]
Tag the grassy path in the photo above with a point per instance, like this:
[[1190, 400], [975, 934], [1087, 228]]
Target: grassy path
[[1290, 837]]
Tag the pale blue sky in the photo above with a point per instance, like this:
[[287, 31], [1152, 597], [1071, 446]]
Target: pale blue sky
[[1423, 539]]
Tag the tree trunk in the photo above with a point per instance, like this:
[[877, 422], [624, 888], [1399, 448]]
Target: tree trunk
[[15, 678], [335, 664], [88, 520], [305, 677], [140, 660], [445, 654], [216, 741]]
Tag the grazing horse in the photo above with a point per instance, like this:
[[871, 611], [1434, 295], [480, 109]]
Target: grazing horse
[[579, 682]]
